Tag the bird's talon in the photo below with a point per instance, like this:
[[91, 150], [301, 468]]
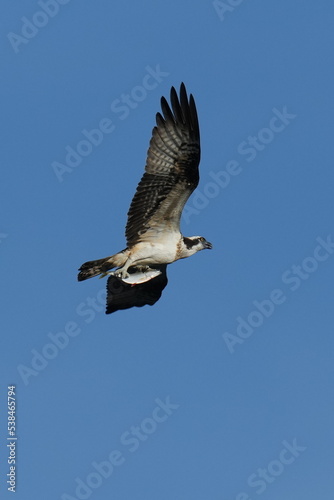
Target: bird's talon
[[121, 274]]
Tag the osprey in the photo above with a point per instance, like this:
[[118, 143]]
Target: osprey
[[152, 231]]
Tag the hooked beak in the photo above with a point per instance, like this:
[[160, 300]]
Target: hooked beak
[[208, 245]]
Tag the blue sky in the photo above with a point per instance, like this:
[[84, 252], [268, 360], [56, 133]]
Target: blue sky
[[223, 389]]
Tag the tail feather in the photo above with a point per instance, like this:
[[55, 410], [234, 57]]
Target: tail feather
[[91, 269], [95, 267]]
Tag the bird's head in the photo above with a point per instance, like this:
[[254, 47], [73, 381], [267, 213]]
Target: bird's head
[[194, 244]]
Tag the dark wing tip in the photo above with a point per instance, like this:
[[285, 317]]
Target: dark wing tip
[[183, 98], [181, 111], [176, 106], [167, 112], [194, 116]]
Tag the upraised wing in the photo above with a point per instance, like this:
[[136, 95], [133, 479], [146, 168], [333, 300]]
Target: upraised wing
[[171, 172]]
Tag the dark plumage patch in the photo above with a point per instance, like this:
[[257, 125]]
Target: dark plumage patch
[[189, 243]]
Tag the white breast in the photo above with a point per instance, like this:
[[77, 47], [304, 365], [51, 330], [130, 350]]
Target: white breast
[[160, 250]]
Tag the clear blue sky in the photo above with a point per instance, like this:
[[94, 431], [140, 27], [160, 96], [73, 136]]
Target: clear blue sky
[[223, 389]]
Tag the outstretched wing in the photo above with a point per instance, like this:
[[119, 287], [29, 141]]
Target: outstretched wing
[[171, 172], [121, 295]]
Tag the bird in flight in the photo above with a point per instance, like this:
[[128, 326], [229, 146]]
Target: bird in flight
[[152, 231]]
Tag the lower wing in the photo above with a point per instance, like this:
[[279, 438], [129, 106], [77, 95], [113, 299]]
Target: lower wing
[[122, 295]]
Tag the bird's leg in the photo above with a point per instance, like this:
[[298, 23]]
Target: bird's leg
[[143, 269], [122, 272]]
